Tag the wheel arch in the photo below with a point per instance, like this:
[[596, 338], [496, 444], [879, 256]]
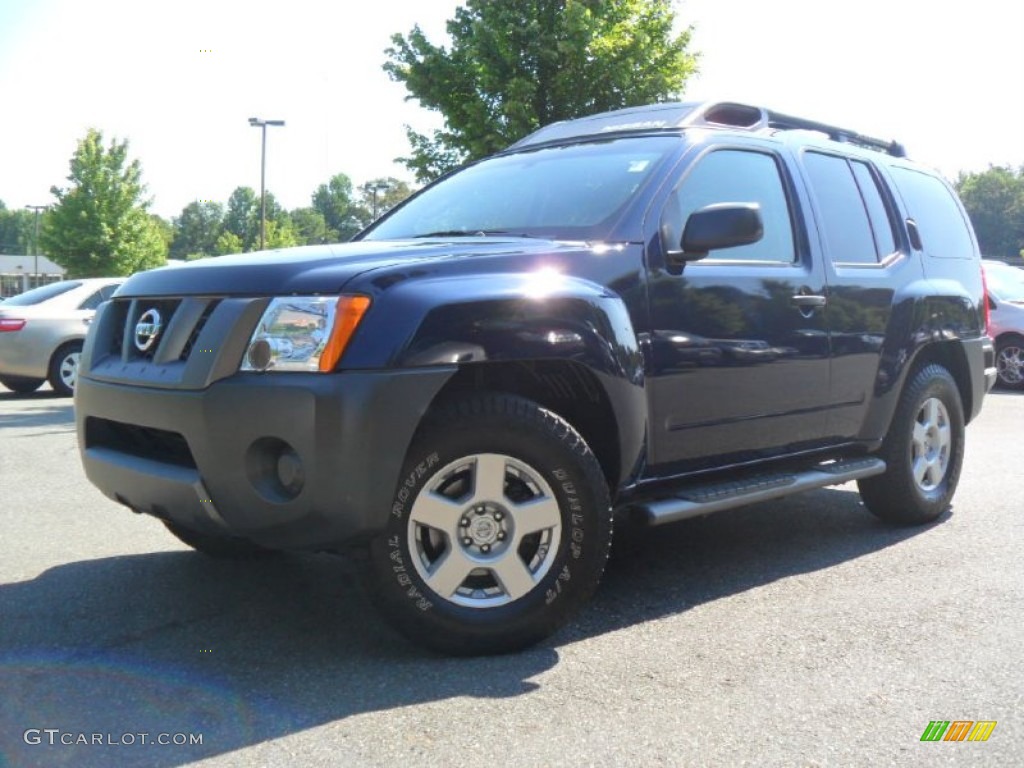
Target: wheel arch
[[576, 393]]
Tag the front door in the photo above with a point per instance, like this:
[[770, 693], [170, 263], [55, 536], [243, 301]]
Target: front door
[[739, 347]]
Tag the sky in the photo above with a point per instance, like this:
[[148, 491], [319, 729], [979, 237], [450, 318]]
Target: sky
[[179, 79]]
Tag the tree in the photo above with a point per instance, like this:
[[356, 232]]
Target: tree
[[380, 195], [17, 230], [343, 215], [994, 199], [99, 225], [242, 218], [196, 230], [515, 66], [309, 225]]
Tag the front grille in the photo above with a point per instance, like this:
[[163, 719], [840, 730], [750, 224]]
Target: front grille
[[193, 337], [181, 321], [142, 442], [144, 309]]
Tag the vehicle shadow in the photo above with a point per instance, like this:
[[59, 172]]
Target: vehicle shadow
[[654, 572], [245, 653], [241, 653], [44, 409]]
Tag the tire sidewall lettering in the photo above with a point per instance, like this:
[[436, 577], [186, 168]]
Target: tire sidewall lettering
[[552, 587]]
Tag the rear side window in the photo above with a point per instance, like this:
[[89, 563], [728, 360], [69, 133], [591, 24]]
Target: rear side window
[[944, 230], [855, 222], [739, 176]]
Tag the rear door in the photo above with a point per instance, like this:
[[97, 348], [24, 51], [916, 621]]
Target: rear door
[[861, 247]]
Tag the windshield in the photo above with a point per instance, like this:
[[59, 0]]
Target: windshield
[[40, 294], [1005, 282], [574, 192]]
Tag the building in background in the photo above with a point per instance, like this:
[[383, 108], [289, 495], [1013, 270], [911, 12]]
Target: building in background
[[17, 273]]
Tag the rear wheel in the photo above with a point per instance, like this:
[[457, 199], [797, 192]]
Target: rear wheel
[[63, 373], [924, 451], [499, 530], [21, 385], [220, 547], [1010, 362]]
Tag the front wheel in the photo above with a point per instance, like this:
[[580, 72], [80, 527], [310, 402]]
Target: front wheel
[[499, 530], [924, 451]]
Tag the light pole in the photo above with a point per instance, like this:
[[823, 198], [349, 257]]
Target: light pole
[[35, 241], [375, 187], [255, 122]]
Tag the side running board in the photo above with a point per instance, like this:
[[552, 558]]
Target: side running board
[[704, 499]]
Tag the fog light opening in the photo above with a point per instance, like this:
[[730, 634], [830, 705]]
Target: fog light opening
[[275, 470]]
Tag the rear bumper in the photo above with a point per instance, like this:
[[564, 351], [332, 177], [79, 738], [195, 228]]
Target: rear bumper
[[295, 461], [981, 362]]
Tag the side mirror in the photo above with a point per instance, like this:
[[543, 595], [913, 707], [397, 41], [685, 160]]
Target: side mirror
[[722, 225]]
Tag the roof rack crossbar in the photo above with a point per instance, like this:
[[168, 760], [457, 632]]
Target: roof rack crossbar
[[779, 121]]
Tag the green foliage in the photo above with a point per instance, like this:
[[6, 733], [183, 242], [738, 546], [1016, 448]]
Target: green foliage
[[994, 199], [309, 226], [227, 243], [99, 225], [196, 230], [343, 214], [380, 195], [17, 230], [165, 228], [517, 65], [242, 219]]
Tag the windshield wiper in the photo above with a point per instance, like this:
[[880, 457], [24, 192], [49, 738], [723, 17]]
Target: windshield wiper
[[470, 233]]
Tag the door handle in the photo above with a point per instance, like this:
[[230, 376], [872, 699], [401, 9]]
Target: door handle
[[809, 301]]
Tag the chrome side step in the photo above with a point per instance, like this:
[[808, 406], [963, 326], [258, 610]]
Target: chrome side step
[[704, 499]]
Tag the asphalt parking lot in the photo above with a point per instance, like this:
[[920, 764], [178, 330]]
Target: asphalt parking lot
[[800, 632]]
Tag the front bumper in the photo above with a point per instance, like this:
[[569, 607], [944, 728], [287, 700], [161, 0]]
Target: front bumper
[[287, 460]]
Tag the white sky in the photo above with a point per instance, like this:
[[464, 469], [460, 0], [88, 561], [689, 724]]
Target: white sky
[[946, 79]]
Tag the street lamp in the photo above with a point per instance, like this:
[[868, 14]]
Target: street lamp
[[255, 122], [35, 241], [375, 187]]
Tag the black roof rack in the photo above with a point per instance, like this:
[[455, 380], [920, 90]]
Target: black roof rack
[[781, 122], [674, 115]]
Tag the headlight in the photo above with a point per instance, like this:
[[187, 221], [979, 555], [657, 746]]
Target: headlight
[[304, 333]]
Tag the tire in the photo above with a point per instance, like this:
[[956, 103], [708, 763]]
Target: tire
[[1010, 362], [924, 451], [468, 566], [64, 368], [220, 547], [20, 385]]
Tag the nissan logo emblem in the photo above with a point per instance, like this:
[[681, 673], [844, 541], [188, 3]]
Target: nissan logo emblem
[[147, 330]]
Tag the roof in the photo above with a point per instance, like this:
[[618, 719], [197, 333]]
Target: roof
[[712, 114], [11, 264]]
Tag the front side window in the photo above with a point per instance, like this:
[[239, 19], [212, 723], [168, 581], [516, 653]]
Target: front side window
[[738, 176], [576, 191]]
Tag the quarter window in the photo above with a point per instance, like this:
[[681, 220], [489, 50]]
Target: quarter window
[[943, 229], [737, 176]]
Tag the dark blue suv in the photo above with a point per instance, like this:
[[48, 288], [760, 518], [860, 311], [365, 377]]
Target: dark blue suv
[[657, 313]]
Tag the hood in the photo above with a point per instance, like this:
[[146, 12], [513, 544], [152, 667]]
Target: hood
[[320, 269]]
